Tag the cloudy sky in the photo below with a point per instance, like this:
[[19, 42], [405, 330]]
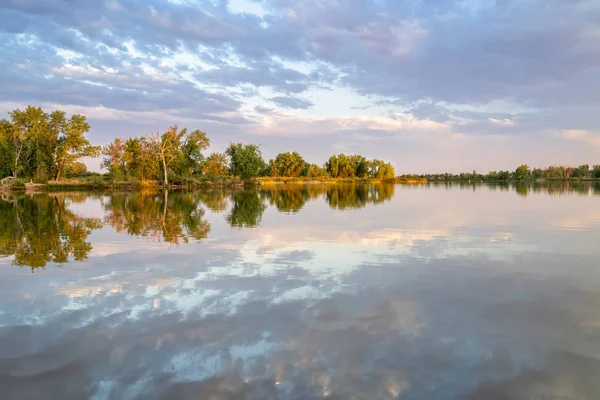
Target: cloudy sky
[[431, 85]]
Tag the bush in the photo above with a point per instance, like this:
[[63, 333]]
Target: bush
[[18, 183]]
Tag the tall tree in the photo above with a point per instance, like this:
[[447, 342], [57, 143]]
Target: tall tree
[[72, 143], [193, 145], [245, 160], [168, 146]]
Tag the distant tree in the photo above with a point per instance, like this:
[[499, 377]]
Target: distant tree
[[596, 171], [215, 165], [522, 172], [341, 166], [361, 165], [314, 171], [379, 169], [537, 173], [245, 160], [76, 168], [581, 171], [287, 164]]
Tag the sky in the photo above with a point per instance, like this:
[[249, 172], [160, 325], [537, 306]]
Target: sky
[[430, 85]]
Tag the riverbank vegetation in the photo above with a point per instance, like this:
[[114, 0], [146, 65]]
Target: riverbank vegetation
[[521, 173], [44, 151]]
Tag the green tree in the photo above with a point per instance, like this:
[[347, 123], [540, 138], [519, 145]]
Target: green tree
[[581, 171], [341, 166], [71, 142], [6, 149], [314, 171], [245, 160], [522, 172], [288, 164], [193, 145], [34, 142], [596, 171]]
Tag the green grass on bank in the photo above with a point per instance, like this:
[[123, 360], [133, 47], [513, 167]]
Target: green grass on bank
[[104, 182]]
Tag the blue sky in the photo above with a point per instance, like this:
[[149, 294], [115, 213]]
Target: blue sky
[[430, 85]]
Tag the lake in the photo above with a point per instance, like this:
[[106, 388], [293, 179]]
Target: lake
[[303, 292]]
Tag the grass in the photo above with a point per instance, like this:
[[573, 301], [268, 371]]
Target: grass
[[103, 182]]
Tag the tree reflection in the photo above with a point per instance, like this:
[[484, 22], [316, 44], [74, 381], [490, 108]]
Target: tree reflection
[[40, 229], [342, 197], [170, 217], [214, 200], [288, 198], [247, 209]]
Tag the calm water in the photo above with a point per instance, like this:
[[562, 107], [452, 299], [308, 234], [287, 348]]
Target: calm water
[[365, 292]]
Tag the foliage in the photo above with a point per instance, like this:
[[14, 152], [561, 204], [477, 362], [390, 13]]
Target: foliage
[[314, 171], [215, 165], [245, 160], [287, 164], [40, 146], [522, 172], [76, 169]]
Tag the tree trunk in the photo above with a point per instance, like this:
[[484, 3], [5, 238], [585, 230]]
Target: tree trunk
[[165, 169]]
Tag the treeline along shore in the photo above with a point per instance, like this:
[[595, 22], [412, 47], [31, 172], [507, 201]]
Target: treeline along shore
[[41, 150]]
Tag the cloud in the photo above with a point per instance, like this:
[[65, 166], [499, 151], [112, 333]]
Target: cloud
[[291, 102], [449, 62]]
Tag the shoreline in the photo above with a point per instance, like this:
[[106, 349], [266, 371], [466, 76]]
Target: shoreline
[[229, 182]]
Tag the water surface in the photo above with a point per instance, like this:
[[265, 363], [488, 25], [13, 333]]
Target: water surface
[[302, 292]]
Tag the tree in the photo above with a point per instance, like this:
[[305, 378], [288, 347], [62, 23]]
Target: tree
[[76, 169], [314, 171], [193, 146], [6, 148], [581, 171], [32, 141], [71, 142], [215, 165], [379, 169], [341, 166], [245, 160], [596, 171], [181, 149], [287, 164], [522, 172], [168, 147], [114, 158]]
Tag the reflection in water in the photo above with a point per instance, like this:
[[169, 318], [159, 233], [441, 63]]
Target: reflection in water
[[40, 229], [247, 209], [161, 216], [468, 292]]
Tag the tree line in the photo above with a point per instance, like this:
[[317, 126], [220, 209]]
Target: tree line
[[177, 153], [521, 173]]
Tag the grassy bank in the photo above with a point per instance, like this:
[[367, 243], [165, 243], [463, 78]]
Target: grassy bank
[[104, 183]]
